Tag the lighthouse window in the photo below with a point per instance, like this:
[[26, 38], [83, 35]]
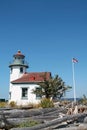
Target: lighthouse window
[[24, 93], [21, 70]]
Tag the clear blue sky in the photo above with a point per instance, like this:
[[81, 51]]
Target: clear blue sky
[[49, 33]]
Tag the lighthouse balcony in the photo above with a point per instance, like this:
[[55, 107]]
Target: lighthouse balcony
[[18, 63]]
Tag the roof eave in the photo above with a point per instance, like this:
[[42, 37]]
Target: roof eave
[[34, 82]]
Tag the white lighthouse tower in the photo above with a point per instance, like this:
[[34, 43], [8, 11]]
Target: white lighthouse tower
[[17, 68]]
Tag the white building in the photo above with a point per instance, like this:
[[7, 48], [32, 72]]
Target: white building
[[22, 83]]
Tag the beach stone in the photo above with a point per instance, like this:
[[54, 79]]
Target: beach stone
[[85, 120], [83, 126]]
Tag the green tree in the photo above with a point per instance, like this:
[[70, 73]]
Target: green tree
[[54, 87]]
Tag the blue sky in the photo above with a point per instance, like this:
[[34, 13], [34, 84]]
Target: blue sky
[[49, 33]]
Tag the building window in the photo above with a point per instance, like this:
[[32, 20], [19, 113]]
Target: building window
[[21, 70], [23, 61], [24, 93], [38, 96]]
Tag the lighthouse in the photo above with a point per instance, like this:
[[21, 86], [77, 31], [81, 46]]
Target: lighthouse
[[17, 68], [22, 83]]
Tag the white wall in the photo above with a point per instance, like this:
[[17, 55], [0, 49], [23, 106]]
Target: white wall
[[16, 91], [15, 74]]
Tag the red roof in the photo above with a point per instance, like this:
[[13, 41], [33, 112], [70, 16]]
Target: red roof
[[19, 54], [33, 77]]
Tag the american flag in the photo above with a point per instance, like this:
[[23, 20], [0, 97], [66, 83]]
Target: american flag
[[74, 60]]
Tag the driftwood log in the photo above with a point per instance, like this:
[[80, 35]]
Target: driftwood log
[[49, 118], [80, 127], [10, 118], [52, 122], [15, 113]]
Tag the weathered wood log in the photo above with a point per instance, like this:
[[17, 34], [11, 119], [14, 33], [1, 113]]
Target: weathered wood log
[[81, 127], [85, 119], [7, 122], [28, 113], [32, 112], [54, 122], [10, 118]]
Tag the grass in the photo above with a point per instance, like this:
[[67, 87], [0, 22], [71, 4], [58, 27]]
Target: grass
[[3, 104], [28, 124]]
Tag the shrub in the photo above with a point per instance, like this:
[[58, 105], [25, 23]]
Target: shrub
[[3, 104], [12, 104], [46, 103], [83, 100]]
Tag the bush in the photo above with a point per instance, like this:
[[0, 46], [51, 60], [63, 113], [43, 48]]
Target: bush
[[12, 104], [46, 103], [83, 100], [3, 104]]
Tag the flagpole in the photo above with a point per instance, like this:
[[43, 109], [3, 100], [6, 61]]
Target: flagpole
[[74, 81]]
